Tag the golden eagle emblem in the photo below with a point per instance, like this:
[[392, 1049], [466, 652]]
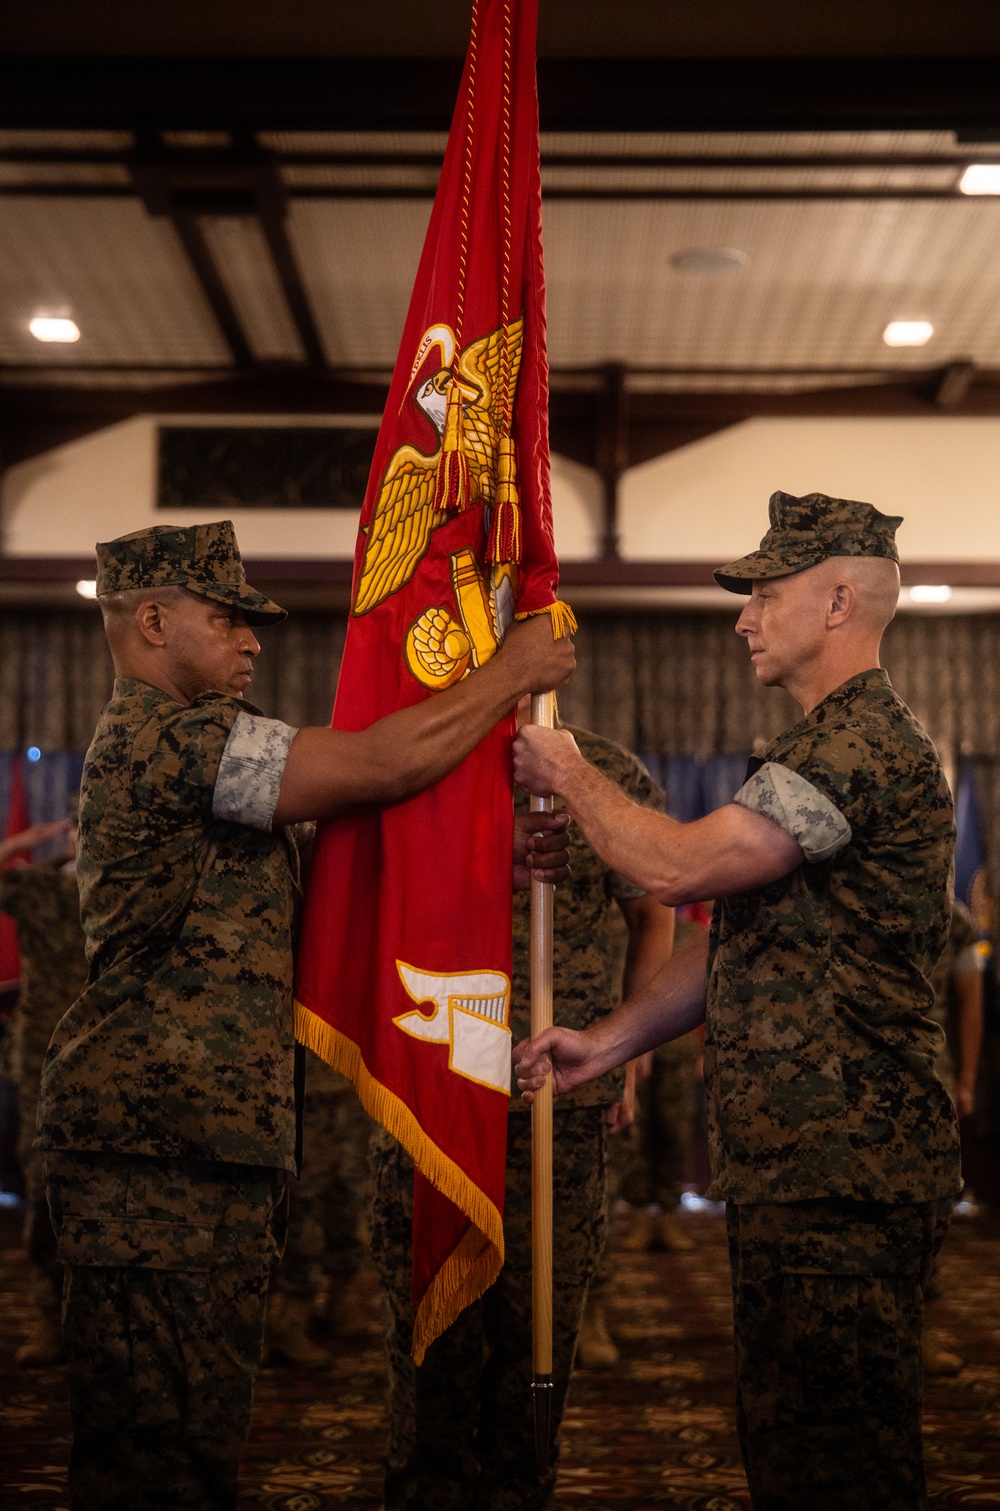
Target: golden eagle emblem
[[405, 514]]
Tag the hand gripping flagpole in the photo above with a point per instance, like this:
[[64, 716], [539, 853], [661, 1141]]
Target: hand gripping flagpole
[[543, 709]]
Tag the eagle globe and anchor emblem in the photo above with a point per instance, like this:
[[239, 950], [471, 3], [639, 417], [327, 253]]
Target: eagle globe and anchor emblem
[[463, 402]]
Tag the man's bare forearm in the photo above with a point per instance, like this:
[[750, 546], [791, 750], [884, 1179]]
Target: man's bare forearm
[[651, 849], [668, 1006], [329, 770], [650, 941], [415, 747], [729, 850]]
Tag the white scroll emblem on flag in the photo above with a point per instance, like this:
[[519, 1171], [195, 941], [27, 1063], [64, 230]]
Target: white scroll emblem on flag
[[470, 1016]]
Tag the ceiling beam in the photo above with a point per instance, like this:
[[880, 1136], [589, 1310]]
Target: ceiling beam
[[612, 450], [192, 239], [576, 94], [290, 278], [36, 417], [243, 180], [601, 572]]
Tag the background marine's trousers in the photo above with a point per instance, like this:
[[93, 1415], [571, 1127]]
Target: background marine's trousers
[[167, 1268], [828, 1319], [461, 1435], [327, 1203]]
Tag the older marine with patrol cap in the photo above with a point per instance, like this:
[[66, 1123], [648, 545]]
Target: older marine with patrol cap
[[833, 1141], [167, 1111]]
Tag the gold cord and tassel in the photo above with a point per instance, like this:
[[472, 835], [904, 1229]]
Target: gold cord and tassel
[[562, 616], [452, 489], [505, 533]]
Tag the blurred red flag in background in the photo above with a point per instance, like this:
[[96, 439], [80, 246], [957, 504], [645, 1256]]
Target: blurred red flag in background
[[17, 821], [405, 960]]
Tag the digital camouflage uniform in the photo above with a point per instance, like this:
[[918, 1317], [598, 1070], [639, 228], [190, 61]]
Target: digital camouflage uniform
[[654, 1153], [833, 1141], [167, 1112], [45, 904], [961, 957], [461, 1433], [327, 1203]]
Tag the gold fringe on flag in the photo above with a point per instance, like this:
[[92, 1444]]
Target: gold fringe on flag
[[477, 1259], [562, 616], [505, 535], [452, 489]]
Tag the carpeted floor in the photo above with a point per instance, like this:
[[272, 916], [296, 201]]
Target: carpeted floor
[[658, 1432]]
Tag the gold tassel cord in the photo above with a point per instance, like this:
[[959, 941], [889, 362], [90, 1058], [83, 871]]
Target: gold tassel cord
[[562, 616], [452, 489], [505, 534]]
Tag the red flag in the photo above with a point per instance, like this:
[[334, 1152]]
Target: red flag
[[405, 961], [16, 823]]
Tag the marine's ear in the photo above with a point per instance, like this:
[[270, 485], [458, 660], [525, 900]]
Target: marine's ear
[[841, 604], [151, 622]]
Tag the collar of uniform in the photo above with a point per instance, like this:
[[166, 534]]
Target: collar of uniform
[[873, 681], [150, 696]]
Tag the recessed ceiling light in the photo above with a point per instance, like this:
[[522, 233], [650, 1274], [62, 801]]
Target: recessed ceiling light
[[981, 178], [54, 328], [710, 261], [928, 592], [907, 333], [87, 587]]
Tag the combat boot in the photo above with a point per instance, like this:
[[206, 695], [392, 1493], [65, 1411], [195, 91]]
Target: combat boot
[[638, 1233], [286, 1335], [939, 1363], [669, 1235], [43, 1346], [595, 1348]]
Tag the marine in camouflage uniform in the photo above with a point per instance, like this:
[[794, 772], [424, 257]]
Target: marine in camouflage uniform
[[833, 1141], [461, 1432], [167, 1110], [326, 1214], [962, 962], [957, 980], [167, 1114], [657, 1148], [44, 902]]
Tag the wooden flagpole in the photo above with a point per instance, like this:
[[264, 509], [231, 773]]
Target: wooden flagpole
[[543, 710]]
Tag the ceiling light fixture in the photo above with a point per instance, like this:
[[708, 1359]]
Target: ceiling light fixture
[[54, 328], [710, 261], [907, 333], [87, 587], [980, 178], [927, 592]]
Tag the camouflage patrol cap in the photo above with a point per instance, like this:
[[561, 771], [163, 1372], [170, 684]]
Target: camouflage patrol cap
[[805, 531], [203, 558]]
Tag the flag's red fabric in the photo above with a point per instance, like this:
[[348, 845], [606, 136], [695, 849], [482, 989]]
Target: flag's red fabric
[[404, 966], [17, 821]]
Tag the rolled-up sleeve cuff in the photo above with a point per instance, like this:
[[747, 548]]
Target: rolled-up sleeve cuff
[[792, 802], [250, 772]]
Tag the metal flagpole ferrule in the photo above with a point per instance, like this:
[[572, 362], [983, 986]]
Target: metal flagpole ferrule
[[543, 711]]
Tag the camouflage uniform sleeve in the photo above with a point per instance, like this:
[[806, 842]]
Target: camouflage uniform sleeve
[[246, 788], [176, 760], [792, 802], [637, 784], [848, 766]]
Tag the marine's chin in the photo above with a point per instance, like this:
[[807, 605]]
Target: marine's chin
[[765, 675]]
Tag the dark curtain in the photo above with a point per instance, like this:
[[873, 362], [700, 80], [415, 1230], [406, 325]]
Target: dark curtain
[[666, 683]]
